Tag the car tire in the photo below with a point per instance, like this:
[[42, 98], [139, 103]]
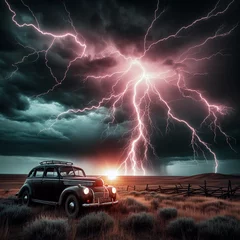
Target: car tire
[[72, 206], [25, 198]]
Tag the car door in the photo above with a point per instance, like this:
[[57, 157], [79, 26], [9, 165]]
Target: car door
[[50, 184], [37, 183], [63, 173]]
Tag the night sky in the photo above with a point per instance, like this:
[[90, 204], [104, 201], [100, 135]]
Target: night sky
[[29, 128]]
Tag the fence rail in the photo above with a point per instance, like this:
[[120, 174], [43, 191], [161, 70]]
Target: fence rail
[[190, 190]]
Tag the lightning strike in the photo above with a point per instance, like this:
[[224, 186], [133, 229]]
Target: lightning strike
[[140, 78]]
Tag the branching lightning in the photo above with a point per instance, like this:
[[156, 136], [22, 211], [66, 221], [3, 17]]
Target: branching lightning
[[140, 78]]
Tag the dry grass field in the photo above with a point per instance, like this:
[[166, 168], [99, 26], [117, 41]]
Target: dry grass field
[[139, 215]]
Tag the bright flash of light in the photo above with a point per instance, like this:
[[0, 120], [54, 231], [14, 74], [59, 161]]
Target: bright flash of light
[[112, 174], [141, 80]]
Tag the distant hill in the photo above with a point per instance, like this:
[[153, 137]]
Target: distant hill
[[211, 176]]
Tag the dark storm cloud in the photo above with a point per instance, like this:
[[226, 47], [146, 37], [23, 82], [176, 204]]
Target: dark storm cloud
[[121, 116], [9, 45], [102, 63], [11, 100], [174, 65], [124, 23]]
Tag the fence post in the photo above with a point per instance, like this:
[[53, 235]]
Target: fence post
[[134, 188], [127, 187], [205, 188], [146, 187], [229, 188], [176, 188], [188, 190]]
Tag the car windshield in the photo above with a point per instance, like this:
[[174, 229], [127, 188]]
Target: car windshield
[[67, 171]]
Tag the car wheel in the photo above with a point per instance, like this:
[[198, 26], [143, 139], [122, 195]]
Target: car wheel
[[72, 206], [25, 198]]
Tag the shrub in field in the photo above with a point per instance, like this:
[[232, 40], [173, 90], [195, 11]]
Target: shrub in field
[[214, 205], [145, 192], [154, 204], [94, 224], [167, 213], [15, 214], [138, 223], [138, 193], [159, 197], [41, 229], [129, 205], [182, 229], [135, 194], [2, 206], [148, 196], [220, 228], [116, 236], [162, 197], [13, 199]]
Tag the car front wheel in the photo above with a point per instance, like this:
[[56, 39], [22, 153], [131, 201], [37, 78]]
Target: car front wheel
[[72, 206], [25, 198]]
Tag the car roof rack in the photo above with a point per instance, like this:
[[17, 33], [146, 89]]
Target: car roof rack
[[55, 162]]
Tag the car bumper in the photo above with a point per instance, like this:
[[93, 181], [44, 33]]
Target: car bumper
[[99, 204]]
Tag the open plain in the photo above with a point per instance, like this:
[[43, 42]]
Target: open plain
[[158, 208]]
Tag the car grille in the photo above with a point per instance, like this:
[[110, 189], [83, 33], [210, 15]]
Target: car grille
[[101, 194]]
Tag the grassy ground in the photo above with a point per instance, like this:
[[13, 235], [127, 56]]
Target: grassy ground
[[139, 215]]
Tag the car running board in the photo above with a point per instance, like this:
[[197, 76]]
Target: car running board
[[44, 202]]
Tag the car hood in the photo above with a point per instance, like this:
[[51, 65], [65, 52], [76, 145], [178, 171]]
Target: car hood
[[84, 181]]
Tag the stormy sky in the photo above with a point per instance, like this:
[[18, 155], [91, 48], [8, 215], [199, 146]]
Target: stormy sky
[[29, 128]]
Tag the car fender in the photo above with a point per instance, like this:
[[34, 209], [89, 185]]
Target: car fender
[[112, 195], [25, 186], [76, 190]]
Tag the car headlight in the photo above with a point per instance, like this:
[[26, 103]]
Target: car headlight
[[86, 191], [114, 190]]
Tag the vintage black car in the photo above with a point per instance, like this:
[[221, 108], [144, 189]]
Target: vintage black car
[[62, 183]]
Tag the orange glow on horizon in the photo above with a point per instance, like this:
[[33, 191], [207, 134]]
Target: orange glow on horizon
[[112, 174]]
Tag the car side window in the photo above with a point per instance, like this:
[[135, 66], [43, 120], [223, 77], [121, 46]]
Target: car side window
[[71, 171], [79, 172], [51, 173], [39, 172], [66, 171]]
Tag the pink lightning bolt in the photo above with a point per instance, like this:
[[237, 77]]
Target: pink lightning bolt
[[139, 79]]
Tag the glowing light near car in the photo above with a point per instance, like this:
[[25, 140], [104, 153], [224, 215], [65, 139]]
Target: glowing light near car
[[114, 190], [112, 174], [86, 191]]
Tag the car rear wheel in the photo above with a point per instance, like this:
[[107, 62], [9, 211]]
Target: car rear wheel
[[72, 206], [25, 198]]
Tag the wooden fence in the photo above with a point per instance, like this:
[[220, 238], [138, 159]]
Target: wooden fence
[[190, 190]]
